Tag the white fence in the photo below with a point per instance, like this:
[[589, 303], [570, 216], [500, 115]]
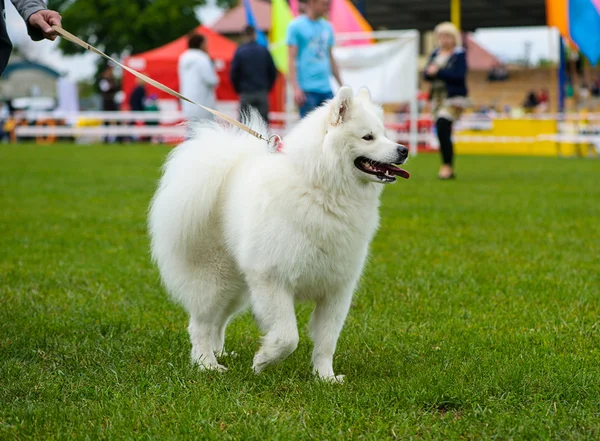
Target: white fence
[[169, 127]]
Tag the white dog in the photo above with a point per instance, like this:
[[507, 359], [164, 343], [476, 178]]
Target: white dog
[[233, 224]]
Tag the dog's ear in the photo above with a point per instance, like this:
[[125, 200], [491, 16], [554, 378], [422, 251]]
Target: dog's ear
[[340, 106], [364, 94]]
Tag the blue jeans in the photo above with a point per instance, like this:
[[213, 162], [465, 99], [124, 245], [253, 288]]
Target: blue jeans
[[312, 101]]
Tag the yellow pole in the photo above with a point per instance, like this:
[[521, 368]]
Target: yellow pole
[[455, 13]]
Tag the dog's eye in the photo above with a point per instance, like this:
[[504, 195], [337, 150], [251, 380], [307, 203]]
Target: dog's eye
[[368, 137]]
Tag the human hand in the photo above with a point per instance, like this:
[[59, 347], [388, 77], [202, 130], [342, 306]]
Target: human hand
[[44, 20], [299, 96], [432, 69]]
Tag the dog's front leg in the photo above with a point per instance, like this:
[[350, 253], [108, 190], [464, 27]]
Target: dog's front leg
[[326, 324], [274, 310]]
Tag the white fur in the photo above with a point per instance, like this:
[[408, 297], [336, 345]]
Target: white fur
[[232, 225]]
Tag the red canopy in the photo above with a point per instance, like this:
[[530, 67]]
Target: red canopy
[[160, 64]]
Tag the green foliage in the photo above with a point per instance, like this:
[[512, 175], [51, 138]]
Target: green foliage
[[477, 316], [126, 25], [86, 89], [544, 62]]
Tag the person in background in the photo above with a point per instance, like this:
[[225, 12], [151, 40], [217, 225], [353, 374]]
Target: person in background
[[447, 71], [197, 78], [151, 105], [39, 20], [544, 99], [138, 95], [108, 89], [310, 41], [595, 90], [137, 102], [253, 74], [595, 93], [583, 97], [498, 73], [531, 102]]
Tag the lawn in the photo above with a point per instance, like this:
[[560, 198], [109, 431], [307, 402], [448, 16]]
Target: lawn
[[478, 316]]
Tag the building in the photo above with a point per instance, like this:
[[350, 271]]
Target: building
[[424, 15], [24, 78]]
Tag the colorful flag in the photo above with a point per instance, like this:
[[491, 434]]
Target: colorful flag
[[579, 22], [281, 16], [260, 35], [344, 17], [295, 7]]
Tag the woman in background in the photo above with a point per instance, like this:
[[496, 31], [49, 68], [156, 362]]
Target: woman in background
[[446, 71]]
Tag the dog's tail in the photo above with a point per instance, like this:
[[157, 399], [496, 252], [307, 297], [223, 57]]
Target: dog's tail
[[193, 176]]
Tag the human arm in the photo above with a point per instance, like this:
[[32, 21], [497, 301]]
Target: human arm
[[430, 69], [207, 72], [299, 96], [455, 71], [235, 74], [38, 18], [271, 70], [335, 70], [293, 42]]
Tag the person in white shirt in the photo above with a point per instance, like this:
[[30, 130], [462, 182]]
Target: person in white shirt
[[197, 78]]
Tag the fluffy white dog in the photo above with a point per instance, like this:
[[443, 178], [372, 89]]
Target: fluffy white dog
[[233, 224]]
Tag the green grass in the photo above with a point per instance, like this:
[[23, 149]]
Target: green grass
[[478, 315]]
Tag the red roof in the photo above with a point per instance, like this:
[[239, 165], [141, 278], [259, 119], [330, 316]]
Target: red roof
[[479, 58]]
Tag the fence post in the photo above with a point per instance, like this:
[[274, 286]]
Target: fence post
[[455, 13], [562, 75]]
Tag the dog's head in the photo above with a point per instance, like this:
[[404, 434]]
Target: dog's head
[[357, 137]]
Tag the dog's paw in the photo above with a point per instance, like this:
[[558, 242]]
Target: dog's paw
[[212, 367], [224, 354], [259, 367], [202, 365], [333, 379]]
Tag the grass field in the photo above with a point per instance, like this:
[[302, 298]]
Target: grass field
[[478, 315]]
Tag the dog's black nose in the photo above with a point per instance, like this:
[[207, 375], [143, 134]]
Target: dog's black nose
[[402, 152]]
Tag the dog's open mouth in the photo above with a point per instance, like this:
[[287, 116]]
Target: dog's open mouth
[[385, 172]]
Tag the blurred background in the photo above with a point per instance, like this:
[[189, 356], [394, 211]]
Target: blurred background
[[534, 88]]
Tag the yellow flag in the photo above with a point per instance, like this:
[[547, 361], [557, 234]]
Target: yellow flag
[[281, 16]]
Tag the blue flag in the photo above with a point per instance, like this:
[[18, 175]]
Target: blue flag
[[260, 36]]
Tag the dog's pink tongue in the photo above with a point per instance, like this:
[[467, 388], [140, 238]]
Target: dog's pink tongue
[[403, 173], [396, 171]]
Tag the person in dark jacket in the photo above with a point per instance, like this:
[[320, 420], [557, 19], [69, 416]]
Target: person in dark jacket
[[108, 89], [253, 74], [38, 19], [138, 96], [137, 100], [447, 71]]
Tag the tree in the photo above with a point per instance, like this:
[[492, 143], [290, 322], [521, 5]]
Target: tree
[[544, 62], [118, 26]]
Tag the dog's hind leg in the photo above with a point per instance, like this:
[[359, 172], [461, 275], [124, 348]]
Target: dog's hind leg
[[205, 308], [273, 308], [235, 303], [201, 330], [326, 324], [204, 330]]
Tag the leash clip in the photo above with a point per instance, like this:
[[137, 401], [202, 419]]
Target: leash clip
[[275, 144]]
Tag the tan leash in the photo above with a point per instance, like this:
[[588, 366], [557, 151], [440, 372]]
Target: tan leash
[[273, 141]]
